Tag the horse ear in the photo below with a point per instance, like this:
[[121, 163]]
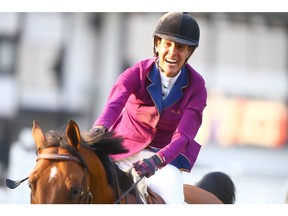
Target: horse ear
[[38, 135], [73, 134]]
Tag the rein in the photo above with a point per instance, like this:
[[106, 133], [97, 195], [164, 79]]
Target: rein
[[128, 191], [86, 196]]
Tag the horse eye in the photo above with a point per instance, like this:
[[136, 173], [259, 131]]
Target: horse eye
[[75, 191], [32, 188], [31, 185]]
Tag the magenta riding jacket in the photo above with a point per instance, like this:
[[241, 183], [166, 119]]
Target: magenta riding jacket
[[136, 111]]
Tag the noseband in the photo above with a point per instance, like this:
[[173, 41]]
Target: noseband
[[86, 196]]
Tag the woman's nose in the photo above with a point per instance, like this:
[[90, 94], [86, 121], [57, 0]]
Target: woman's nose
[[172, 49]]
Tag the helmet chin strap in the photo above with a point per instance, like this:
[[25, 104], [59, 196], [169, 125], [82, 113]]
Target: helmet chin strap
[[159, 67]]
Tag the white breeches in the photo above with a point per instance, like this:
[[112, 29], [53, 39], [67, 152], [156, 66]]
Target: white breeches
[[167, 181]]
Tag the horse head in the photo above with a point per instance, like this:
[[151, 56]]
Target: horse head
[[66, 167]]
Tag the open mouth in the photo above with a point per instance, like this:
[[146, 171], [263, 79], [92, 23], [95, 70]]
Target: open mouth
[[171, 61]]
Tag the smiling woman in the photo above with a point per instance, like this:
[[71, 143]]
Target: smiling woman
[[157, 106], [172, 56]]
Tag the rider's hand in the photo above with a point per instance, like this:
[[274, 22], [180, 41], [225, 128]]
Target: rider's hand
[[98, 130], [148, 166]]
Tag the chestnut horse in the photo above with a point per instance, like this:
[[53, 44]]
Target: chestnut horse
[[74, 168]]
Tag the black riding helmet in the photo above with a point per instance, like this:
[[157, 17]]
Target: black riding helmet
[[177, 27]]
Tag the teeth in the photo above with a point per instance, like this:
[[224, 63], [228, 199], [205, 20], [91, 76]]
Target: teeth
[[171, 61]]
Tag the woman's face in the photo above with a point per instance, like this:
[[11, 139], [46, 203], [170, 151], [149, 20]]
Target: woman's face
[[172, 56]]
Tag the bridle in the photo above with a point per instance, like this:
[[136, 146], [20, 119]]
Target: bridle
[[86, 196]]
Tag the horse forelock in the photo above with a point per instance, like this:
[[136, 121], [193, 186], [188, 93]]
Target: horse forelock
[[57, 139]]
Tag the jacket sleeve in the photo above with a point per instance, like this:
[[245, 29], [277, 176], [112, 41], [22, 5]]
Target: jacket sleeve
[[126, 84], [191, 120]]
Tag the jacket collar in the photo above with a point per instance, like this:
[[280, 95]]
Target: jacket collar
[[155, 90]]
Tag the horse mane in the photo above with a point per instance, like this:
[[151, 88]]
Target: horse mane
[[219, 184], [107, 143], [103, 146]]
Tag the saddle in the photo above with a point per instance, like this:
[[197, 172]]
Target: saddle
[[150, 198], [145, 194], [154, 198]]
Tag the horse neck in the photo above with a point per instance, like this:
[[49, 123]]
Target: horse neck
[[97, 179]]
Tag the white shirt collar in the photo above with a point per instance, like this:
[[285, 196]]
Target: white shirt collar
[[167, 83]]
